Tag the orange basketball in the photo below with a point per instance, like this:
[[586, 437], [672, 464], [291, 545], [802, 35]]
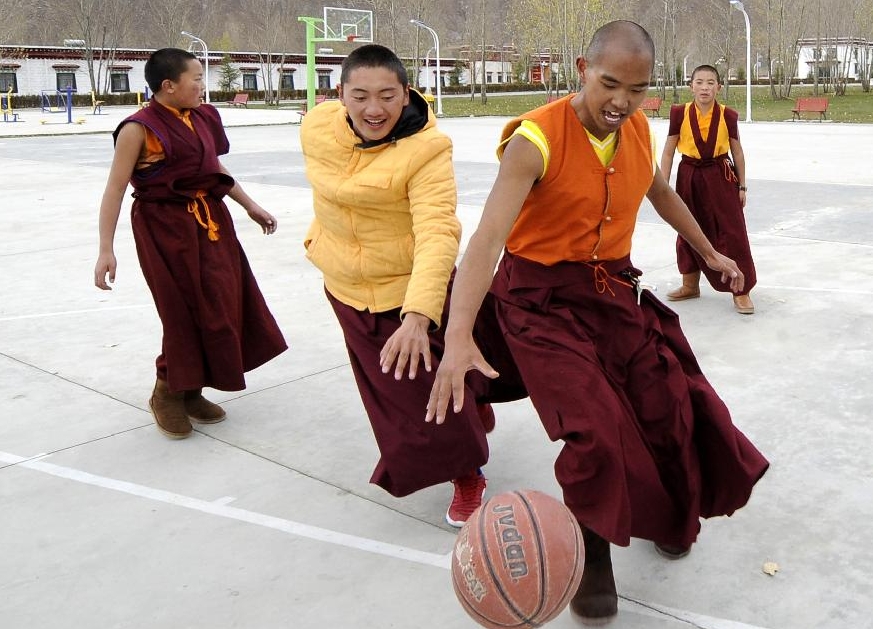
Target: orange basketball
[[518, 560]]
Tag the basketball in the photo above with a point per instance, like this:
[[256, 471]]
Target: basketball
[[518, 560]]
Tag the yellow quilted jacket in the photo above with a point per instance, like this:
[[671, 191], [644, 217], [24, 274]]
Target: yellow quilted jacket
[[385, 233]]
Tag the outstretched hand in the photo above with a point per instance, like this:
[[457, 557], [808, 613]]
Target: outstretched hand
[[458, 359], [729, 270]]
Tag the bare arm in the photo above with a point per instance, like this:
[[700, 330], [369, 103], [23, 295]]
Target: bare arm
[[262, 217], [672, 209], [740, 162], [521, 165], [667, 156], [127, 150]]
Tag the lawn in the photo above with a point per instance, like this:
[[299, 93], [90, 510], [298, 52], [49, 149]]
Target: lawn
[[855, 106]]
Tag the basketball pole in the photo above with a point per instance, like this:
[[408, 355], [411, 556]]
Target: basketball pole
[[311, 40]]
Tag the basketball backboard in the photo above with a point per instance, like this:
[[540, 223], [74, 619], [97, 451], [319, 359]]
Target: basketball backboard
[[348, 25]]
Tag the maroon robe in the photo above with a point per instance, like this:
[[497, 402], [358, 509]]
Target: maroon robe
[[649, 447], [415, 454], [709, 188], [216, 324]]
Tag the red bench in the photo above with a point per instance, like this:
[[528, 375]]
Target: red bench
[[811, 104], [319, 98], [240, 100], [652, 104]]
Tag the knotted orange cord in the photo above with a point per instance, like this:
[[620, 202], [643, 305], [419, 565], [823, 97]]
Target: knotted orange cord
[[729, 173], [209, 225], [602, 277]]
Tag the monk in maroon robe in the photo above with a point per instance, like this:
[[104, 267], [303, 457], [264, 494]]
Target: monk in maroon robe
[[216, 324]]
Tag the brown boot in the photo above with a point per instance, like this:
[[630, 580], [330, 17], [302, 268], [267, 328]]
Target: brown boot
[[596, 601], [169, 411], [743, 304], [690, 288], [201, 410]]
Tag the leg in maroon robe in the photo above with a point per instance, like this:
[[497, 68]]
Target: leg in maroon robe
[[649, 447], [707, 189], [415, 454], [216, 324]]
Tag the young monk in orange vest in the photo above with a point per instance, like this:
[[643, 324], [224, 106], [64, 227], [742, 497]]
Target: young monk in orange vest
[[649, 447]]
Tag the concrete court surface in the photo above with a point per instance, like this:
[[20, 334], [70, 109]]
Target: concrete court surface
[[267, 519]]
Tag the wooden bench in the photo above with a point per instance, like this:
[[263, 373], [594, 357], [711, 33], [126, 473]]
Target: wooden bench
[[652, 104], [812, 104], [96, 105], [319, 98], [240, 100]]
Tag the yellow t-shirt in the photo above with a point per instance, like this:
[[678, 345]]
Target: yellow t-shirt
[[604, 149], [686, 144]]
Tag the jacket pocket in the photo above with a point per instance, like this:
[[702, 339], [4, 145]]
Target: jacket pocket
[[311, 239], [375, 179]]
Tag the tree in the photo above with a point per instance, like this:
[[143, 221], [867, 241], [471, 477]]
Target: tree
[[228, 75], [168, 19], [270, 24], [101, 25], [12, 31]]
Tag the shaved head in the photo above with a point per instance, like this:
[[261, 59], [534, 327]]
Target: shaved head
[[629, 36]]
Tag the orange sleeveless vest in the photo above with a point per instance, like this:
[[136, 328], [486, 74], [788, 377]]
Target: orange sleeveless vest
[[580, 210]]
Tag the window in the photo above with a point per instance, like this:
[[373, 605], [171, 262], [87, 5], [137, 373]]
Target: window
[[8, 81], [324, 81], [119, 82], [250, 82], [66, 80], [287, 82]]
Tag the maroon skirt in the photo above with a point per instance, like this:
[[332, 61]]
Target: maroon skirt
[[649, 447], [216, 324], [709, 189], [414, 454]]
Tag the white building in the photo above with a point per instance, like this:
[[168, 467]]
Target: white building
[[834, 57], [35, 70]]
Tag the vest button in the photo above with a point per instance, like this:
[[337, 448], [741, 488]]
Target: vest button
[[610, 170], [608, 219], [594, 257]]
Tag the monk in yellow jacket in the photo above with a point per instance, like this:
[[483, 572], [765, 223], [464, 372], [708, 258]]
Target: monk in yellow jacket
[[386, 237], [649, 447]]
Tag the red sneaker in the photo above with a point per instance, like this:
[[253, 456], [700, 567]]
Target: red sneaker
[[486, 414], [467, 498]]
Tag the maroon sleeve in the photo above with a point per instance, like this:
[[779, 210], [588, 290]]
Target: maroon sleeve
[[211, 115], [730, 119], [677, 115]]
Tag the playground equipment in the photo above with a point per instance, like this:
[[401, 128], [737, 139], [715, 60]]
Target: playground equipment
[[96, 105], [143, 100], [6, 107], [63, 102]]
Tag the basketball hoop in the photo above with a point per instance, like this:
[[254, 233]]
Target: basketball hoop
[[351, 38]]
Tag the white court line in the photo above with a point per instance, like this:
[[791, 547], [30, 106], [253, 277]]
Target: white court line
[[233, 513], [65, 313], [364, 544]]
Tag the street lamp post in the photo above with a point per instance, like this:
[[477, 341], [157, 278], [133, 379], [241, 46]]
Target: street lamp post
[[427, 70], [439, 78], [739, 5], [194, 38]]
